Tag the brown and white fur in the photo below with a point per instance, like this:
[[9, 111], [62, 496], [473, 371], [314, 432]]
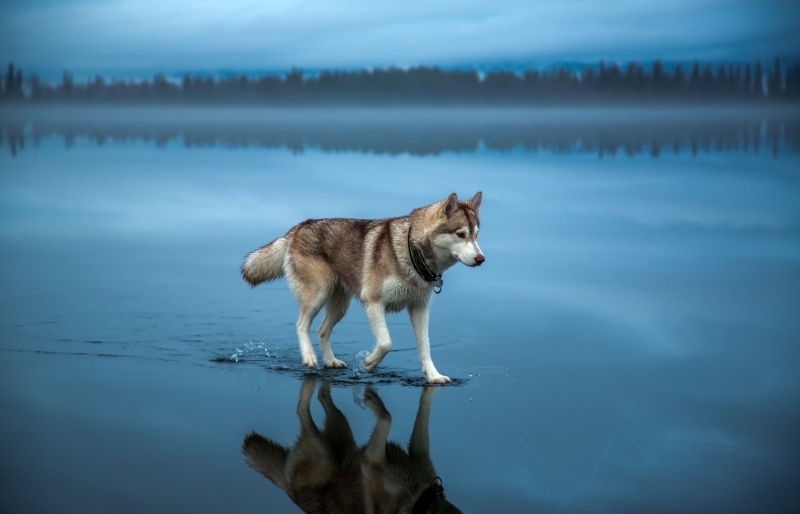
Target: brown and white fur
[[328, 261], [326, 471]]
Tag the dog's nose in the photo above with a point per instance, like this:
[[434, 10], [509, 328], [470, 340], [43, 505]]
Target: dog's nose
[[479, 260]]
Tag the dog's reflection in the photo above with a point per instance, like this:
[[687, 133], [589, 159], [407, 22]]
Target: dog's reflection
[[326, 471]]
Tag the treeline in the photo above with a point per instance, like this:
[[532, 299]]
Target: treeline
[[605, 83]]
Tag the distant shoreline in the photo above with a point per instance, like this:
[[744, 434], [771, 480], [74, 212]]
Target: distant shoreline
[[606, 84]]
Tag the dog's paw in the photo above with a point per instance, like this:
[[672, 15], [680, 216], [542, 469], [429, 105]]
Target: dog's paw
[[310, 361], [335, 363], [438, 378], [370, 365]]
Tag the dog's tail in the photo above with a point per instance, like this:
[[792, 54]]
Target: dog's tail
[[266, 263], [267, 457]]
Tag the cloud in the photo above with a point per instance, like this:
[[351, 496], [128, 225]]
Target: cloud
[[148, 35]]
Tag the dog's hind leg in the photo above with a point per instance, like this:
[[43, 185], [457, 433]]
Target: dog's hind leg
[[311, 295], [307, 314], [311, 284], [335, 309]]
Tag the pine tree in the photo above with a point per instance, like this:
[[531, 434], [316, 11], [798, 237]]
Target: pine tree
[[775, 81], [758, 81], [18, 84], [747, 84], [694, 80], [10, 81]]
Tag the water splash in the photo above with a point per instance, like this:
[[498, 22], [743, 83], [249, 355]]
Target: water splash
[[254, 351], [284, 359], [357, 364]]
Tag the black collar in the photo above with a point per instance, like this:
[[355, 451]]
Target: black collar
[[428, 496], [418, 260]]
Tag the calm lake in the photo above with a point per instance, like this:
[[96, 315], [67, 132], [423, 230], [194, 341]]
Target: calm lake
[[630, 344]]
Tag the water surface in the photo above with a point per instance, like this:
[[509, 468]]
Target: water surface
[[630, 343]]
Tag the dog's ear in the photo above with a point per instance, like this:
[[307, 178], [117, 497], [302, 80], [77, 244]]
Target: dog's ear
[[450, 205], [475, 201]]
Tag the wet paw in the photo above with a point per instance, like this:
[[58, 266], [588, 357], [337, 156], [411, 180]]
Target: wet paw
[[369, 364], [335, 363], [310, 361], [436, 378]]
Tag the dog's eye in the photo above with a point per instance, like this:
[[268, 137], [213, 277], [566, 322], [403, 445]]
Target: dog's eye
[[461, 235]]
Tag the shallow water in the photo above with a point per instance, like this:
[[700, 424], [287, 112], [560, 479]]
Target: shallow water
[[629, 344]]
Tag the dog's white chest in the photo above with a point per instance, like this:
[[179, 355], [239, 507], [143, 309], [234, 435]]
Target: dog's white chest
[[397, 294]]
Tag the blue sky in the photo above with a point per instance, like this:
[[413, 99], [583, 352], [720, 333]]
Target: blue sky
[[140, 37]]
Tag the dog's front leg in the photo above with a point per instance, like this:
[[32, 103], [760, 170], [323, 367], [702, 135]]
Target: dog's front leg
[[419, 321], [383, 343]]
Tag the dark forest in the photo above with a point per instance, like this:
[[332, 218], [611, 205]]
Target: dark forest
[[606, 83]]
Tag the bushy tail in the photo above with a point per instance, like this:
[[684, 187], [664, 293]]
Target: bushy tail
[[266, 263], [267, 457]]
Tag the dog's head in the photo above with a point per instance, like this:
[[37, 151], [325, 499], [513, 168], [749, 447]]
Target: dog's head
[[457, 229]]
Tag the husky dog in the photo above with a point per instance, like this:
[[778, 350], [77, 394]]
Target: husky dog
[[325, 471], [388, 264]]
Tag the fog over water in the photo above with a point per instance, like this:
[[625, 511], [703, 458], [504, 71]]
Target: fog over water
[[422, 131]]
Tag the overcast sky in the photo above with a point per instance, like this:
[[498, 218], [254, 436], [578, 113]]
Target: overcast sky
[[138, 37]]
